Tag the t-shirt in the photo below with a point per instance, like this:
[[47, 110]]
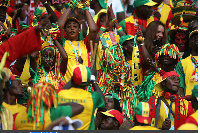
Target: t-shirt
[[89, 100], [21, 119], [14, 108], [144, 128], [185, 69]]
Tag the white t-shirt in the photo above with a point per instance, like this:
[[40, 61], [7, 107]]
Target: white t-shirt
[[116, 5]]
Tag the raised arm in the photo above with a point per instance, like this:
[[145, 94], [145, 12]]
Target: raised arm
[[63, 65], [53, 18]]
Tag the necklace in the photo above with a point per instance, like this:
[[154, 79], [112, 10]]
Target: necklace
[[78, 59]]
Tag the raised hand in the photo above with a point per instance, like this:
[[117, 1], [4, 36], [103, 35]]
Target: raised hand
[[43, 24]]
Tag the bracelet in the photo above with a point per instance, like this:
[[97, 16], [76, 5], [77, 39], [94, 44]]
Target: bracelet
[[119, 29], [114, 20], [103, 28], [85, 8]]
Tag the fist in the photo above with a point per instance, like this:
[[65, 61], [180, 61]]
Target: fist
[[166, 124]]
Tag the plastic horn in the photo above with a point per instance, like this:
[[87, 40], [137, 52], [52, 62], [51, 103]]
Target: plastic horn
[[3, 60]]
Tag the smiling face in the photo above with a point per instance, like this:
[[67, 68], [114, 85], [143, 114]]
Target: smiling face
[[181, 40], [16, 88], [160, 33], [171, 84], [72, 30], [48, 58]]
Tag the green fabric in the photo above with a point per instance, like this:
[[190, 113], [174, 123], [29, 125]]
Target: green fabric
[[98, 102], [123, 25], [113, 95], [60, 111], [139, 109], [125, 38], [195, 91], [103, 3], [138, 3], [179, 70]]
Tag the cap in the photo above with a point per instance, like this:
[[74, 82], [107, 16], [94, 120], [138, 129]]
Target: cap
[[125, 38], [115, 114], [195, 91], [72, 19], [112, 95], [103, 3], [158, 86], [81, 75], [142, 113], [138, 3], [193, 32]]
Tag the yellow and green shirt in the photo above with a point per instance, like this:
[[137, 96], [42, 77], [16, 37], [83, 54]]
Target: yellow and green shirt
[[90, 101], [185, 69], [13, 108], [85, 49], [22, 123]]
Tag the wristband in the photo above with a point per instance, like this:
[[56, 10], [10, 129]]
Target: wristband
[[85, 8], [103, 28], [119, 29], [114, 20]]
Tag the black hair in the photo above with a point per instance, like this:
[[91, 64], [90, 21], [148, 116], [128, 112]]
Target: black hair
[[116, 104]]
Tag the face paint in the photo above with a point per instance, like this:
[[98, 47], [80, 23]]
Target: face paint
[[181, 41]]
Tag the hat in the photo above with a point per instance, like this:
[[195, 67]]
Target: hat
[[138, 3], [72, 19], [103, 3], [112, 95], [158, 86], [142, 113], [115, 114], [195, 91], [81, 75], [125, 38], [181, 27], [193, 32], [169, 49]]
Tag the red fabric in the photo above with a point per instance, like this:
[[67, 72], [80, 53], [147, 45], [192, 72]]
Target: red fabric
[[22, 44], [14, 70], [58, 14], [77, 76], [168, 74], [9, 10], [117, 115], [192, 120], [14, 117], [88, 49]]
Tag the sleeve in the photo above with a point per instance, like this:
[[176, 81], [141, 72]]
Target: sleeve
[[9, 10], [123, 25], [60, 111], [179, 70], [98, 101], [22, 44]]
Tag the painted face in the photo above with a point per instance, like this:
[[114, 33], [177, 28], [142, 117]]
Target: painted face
[[48, 58], [172, 84], [107, 123], [193, 42], [3, 14], [109, 104], [160, 33], [181, 41], [16, 88], [72, 30]]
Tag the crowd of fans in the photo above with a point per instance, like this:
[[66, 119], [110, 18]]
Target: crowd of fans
[[99, 65]]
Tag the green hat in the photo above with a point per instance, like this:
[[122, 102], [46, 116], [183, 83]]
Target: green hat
[[138, 3], [125, 38], [112, 95], [195, 91], [142, 113], [103, 3]]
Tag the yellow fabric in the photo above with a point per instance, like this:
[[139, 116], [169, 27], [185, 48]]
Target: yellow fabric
[[188, 70], [188, 126], [71, 57], [21, 121], [145, 108], [195, 116], [163, 115], [7, 119], [99, 53], [136, 69], [144, 128], [14, 108], [77, 95], [164, 13], [26, 73]]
